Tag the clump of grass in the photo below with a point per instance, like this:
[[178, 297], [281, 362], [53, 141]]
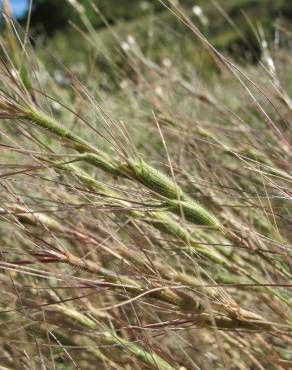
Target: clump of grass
[[119, 252]]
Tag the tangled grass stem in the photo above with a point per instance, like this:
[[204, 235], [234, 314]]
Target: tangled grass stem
[[111, 338]]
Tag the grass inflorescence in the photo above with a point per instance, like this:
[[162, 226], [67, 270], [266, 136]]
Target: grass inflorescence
[[145, 227]]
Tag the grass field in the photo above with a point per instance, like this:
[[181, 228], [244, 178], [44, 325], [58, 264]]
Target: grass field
[[145, 209]]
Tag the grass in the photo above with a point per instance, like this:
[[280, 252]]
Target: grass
[[147, 227]]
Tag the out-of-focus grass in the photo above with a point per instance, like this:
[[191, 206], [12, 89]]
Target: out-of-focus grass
[[160, 35]]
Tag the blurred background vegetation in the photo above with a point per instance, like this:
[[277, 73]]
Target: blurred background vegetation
[[51, 16], [232, 26]]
